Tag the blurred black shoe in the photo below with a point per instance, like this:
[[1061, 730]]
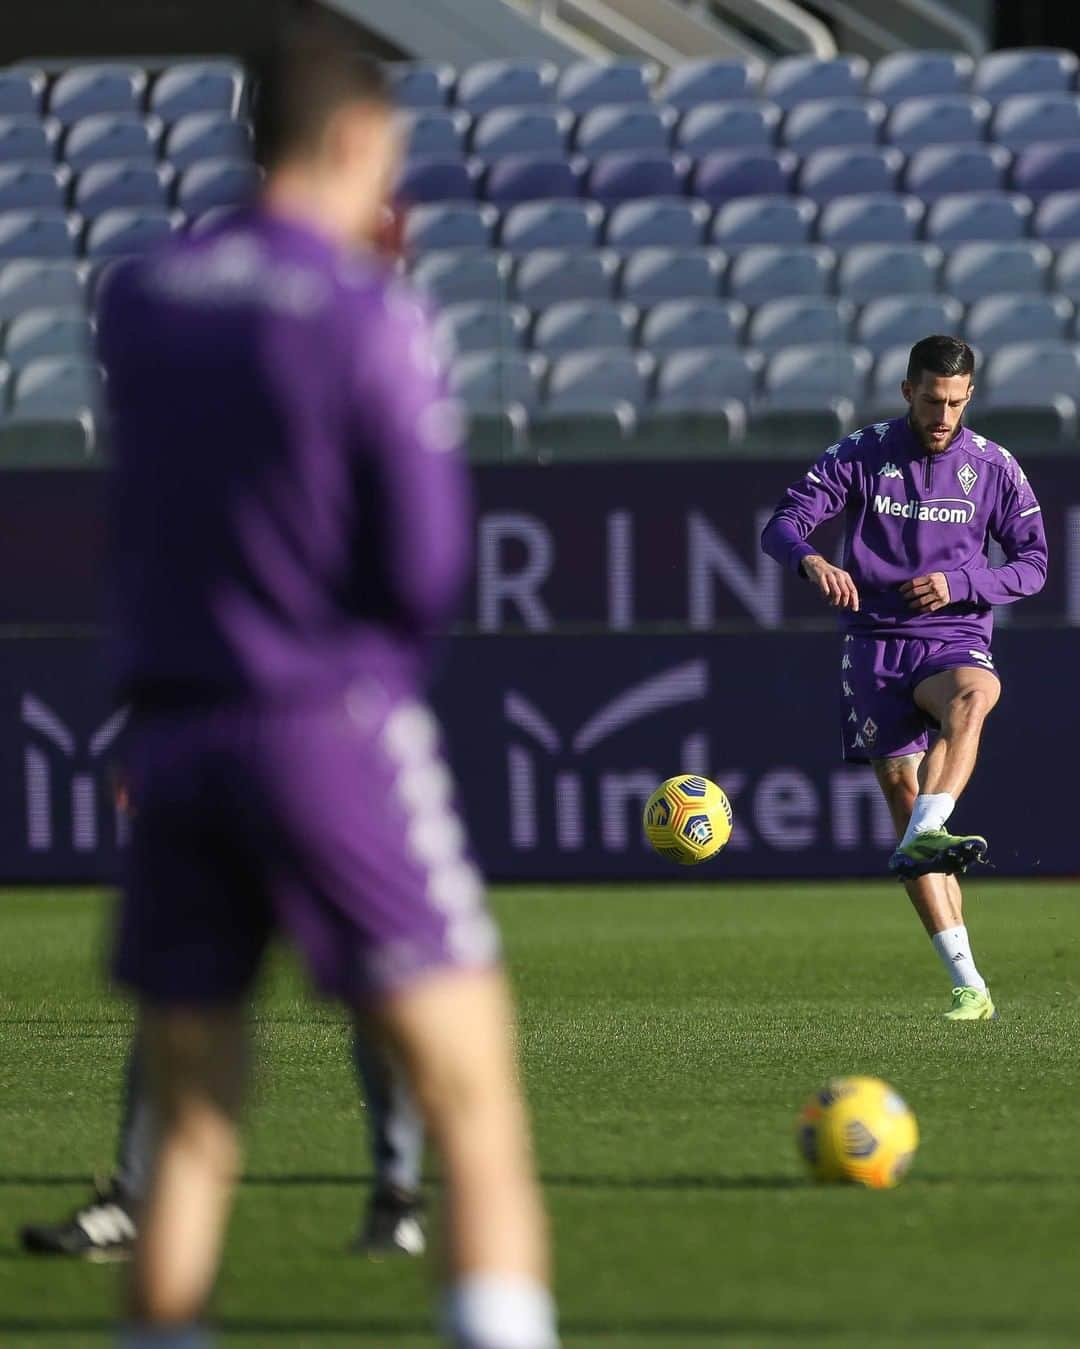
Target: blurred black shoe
[[392, 1225], [102, 1230]]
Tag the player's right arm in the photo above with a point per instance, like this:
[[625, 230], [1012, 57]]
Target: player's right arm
[[818, 496]]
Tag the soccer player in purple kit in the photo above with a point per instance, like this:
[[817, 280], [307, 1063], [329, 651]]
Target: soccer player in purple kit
[[922, 496], [289, 527]]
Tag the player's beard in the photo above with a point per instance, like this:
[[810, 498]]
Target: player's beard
[[922, 435]]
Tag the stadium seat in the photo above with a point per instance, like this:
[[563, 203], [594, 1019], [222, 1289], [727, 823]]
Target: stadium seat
[[992, 267], [21, 92], [449, 276], [651, 274], [763, 220], [676, 325], [454, 225], [816, 376], [418, 85], [217, 182], [198, 86], [575, 325], [1042, 168], [667, 222], [636, 126], [83, 91], [1029, 118], [941, 169], [585, 84], [1029, 373], [28, 140], [33, 284], [435, 131], [490, 381], [47, 332], [633, 175], [532, 178], [868, 271], [504, 84], [36, 234], [833, 121], [32, 187], [875, 217], [902, 75], [521, 131], [890, 371], [727, 174], [948, 119], [960, 216], [98, 139], [121, 183], [1057, 219], [1024, 70], [592, 381], [48, 442], [702, 378], [996, 320], [56, 386], [895, 320], [692, 83], [798, 321], [842, 171], [207, 135], [430, 180], [116, 233], [549, 274], [1066, 278], [483, 325], [551, 224], [727, 126], [771, 271], [798, 79]]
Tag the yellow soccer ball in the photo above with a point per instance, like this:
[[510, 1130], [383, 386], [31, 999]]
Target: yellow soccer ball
[[858, 1129], [688, 819]]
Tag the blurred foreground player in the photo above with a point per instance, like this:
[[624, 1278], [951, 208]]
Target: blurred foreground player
[[289, 526], [922, 496]]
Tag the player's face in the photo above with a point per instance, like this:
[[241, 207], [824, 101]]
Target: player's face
[[366, 154], [937, 405]]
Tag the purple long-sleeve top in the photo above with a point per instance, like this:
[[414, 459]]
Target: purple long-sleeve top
[[290, 506], [908, 513]]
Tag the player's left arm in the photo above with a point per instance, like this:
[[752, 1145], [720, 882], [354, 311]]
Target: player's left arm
[[1016, 523]]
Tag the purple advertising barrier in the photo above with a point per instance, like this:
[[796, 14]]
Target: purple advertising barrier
[[557, 741]]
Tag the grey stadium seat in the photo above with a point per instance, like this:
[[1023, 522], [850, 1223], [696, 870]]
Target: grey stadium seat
[[1024, 70], [32, 187], [634, 127], [586, 84], [521, 131], [844, 170], [867, 271], [1028, 119], [771, 271], [722, 126], [481, 325], [450, 276], [651, 274], [85, 90], [692, 83], [32, 284], [451, 225], [666, 222], [798, 321], [435, 131], [28, 140], [996, 320], [594, 381], [36, 234], [816, 377], [903, 75], [575, 325], [833, 121], [207, 135], [95, 140], [953, 119], [504, 84], [894, 320], [56, 386], [989, 267], [490, 381], [47, 332], [764, 220], [890, 371], [418, 84], [875, 217], [198, 86], [21, 92], [1066, 279], [1057, 217], [122, 183], [673, 325], [797, 79], [1028, 373], [960, 216], [699, 379], [217, 182], [549, 274], [551, 224], [939, 170], [116, 233]]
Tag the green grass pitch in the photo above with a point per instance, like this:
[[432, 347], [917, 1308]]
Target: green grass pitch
[[670, 1035]]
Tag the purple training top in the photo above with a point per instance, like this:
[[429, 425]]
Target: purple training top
[[908, 513], [289, 505]]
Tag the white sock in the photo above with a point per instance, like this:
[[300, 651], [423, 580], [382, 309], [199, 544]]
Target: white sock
[[953, 947], [500, 1311], [929, 812]]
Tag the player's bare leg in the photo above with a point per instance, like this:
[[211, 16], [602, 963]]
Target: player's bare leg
[[455, 1033], [936, 897], [196, 1067]]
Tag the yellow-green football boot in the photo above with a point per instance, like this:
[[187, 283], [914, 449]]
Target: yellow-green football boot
[[935, 850], [971, 1004]]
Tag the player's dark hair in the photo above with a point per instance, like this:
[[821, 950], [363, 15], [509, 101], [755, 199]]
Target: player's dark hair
[[314, 65], [940, 356]]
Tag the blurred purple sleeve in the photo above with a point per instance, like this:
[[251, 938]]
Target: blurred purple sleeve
[[414, 432], [1017, 525], [819, 495]]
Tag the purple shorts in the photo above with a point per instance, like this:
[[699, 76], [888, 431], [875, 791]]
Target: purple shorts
[[878, 679], [335, 826]]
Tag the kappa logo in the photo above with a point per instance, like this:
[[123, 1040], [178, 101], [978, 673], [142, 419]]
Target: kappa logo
[[984, 658], [856, 436], [882, 429], [890, 471], [967, 477], [849, 692], [853, 715], [979, 442], [833, 450]]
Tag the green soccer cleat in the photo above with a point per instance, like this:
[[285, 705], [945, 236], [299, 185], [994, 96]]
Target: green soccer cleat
[[935, 850], [971, 1004]]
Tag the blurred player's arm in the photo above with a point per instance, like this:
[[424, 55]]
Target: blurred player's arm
[[818, 496], [1017, 525]]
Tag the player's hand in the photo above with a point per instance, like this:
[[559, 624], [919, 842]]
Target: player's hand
[[834, 583], [926, 593]]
